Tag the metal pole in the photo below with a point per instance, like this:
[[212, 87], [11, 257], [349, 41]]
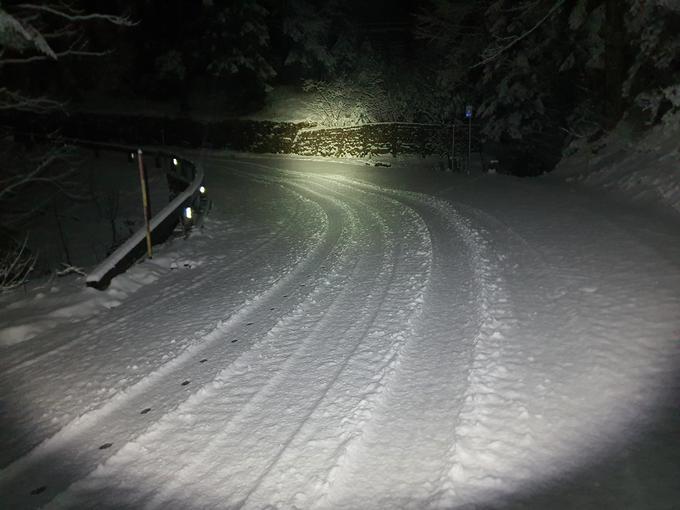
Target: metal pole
[[453, 146], [145, 202], [469, 143]]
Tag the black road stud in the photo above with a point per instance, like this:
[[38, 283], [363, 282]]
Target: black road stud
[[185, 383], [144, 411], [38, 490], [106, 446]]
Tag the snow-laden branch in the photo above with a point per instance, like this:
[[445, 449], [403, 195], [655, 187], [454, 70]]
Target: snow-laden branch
[[74, 15], [56, 55], [27, 25], [39, 170], [497, 53], [13, 100], [15, 266], [68, 269]]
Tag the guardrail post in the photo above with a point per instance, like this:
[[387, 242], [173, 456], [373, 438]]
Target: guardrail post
[[145, 202]]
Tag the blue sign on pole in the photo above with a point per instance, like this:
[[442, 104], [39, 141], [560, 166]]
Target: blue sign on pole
[[468, 112]]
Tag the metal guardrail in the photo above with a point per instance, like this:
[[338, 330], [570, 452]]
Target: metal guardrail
[[187, 190]]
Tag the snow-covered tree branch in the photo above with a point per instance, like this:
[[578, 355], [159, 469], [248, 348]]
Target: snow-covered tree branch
[[27, 29], [534, 68], [72, 14], [493, 53], [17, 101]]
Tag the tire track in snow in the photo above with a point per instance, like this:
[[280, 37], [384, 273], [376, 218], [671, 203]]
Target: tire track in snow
[[298, 477], [74, 447], [572, 297], [238, 381], [327, 451], [412, 424], [299, 385], [127, 312], [104, 367], [420, 431], [319, 359], [139, 309], [492, 409]]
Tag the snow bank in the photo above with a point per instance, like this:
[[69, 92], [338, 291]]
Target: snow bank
[[641, 166], [56, 303]]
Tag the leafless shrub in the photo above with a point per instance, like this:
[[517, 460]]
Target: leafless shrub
[[16, 263]]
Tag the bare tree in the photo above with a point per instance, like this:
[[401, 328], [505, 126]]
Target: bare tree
[[37, 32], [31, 33], [111, 207], [16, 263]]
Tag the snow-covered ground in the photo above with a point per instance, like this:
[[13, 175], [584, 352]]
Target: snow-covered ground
[[343, 336], [640, 164]]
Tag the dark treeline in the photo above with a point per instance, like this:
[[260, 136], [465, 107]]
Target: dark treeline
[[537, 72]]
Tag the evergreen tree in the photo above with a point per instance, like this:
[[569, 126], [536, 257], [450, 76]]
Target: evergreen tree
[[554, 66]]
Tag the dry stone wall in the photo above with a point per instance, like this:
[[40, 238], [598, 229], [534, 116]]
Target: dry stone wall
[[244, 135]]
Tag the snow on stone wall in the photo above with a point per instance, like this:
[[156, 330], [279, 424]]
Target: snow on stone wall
[[258, 136], [372, 139]]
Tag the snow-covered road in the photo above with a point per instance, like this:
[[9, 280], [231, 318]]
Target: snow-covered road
[[339, 337]]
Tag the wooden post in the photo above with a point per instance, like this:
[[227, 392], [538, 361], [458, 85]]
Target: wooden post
[[145, 202]]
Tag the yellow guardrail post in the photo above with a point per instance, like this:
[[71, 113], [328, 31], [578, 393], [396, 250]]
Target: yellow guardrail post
[[145, 202]]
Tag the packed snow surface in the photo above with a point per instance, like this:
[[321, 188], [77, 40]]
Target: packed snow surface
[[338, 336]]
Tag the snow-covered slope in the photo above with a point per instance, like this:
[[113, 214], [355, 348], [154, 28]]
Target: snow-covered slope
[[642, 167], [353, 337]]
